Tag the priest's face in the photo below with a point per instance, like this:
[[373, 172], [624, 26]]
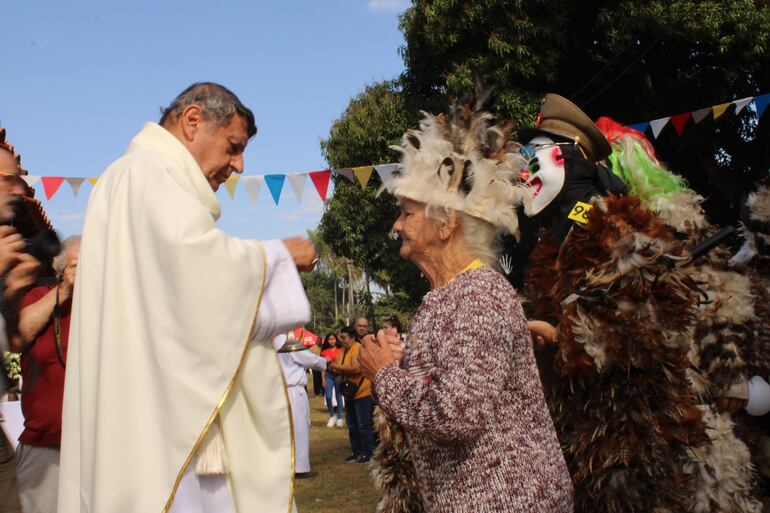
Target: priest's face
[[219, 149]]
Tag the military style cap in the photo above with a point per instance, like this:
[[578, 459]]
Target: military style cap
[[559, 116]]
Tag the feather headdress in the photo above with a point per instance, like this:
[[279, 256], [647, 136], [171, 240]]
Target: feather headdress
[[466, 161]]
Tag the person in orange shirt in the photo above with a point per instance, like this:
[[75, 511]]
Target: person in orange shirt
[[359, 407]]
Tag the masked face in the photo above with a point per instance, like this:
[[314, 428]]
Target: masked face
[[546, 172]]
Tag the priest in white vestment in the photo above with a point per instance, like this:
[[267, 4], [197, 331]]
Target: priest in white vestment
[[170, 349], [295, 366]]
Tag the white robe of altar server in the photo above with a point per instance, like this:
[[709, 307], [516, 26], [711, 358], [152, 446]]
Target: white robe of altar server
[[172, 327], [295, 366]]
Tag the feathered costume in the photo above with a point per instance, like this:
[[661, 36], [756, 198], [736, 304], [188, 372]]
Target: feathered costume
[[627, 303], [722, 468]]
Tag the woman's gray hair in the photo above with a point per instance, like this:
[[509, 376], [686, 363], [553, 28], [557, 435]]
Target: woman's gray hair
[[480, 237], [61, 261], [217, 104]]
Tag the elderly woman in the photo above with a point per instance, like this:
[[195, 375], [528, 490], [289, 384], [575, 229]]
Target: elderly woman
[[465, 397]]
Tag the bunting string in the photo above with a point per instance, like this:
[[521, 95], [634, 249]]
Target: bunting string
[[253, 184], [679, 121], [362, 174]]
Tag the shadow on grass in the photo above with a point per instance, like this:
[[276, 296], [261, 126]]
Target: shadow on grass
[[338, 487]]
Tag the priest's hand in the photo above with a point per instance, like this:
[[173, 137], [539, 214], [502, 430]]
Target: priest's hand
[[374, 356], [303, 252]]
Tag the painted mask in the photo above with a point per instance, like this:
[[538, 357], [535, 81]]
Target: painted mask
[[546, 172]]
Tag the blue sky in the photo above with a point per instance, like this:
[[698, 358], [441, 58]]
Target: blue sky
[[80, 78]]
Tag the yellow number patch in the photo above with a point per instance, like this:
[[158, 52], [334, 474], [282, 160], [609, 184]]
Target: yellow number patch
[[580, 212]]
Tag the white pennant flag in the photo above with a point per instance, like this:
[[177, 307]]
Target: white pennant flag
[[657, 125], [252, 185], [740, 104], [700, 114], [297, 182], [75, 183], [386, 171], [30, 179]]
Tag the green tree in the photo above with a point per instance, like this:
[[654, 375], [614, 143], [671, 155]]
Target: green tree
[[356, 222], [634, 61]]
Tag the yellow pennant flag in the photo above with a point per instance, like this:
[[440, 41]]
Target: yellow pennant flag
[[92, 181], [720, 109], [230, 184], [363, 173]]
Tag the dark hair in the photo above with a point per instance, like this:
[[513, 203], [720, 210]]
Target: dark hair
[[351, 332], [217, 103], [393, 320], [327, 344]]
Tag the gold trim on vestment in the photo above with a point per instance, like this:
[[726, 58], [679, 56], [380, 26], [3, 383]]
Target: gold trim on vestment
[[226, 394]]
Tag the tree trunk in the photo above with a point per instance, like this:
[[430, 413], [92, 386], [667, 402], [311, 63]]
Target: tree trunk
[[336, 308], [351, 298], [369, 304]]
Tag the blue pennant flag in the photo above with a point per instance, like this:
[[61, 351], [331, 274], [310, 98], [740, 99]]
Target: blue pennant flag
[[640, 126], [760, 102], [275, 184]]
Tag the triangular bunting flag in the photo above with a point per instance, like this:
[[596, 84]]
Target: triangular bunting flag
[[75, 183], [386, 172], [657, 125], [363, 173], [740, 104], [679, 121], [51, 184], [30, 179], [321, 181], [230, 184], [275, 184], [92, 181], [252, 185], [700, 114], [760, 103], [347, 173], [720, 109], [640, 126], [297, 182]]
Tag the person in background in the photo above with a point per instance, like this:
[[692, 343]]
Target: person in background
[[358, 410], [295, 366], [329, 351], [44, 323], [318, 387], [18, 271], [362, 327]]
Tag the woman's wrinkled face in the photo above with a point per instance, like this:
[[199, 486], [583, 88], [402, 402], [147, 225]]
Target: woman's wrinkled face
[[417, 231]]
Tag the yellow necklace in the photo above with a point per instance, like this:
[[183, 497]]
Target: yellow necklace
[[473, 265]]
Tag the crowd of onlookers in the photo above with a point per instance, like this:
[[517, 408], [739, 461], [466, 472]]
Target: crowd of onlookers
[[346, 390]]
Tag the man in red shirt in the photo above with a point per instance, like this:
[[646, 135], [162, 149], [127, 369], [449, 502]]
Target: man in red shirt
[[44, 323]]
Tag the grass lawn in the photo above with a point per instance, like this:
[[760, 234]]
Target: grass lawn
[[338, 487]]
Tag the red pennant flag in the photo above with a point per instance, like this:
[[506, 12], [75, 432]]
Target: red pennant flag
[[321, 181], [51, 184], [679, 121]]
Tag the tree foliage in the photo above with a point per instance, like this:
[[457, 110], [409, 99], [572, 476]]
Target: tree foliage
[[356, 223], [631, 60]]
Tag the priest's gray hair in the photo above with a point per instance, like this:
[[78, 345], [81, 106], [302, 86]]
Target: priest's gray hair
[[62, 260], [217, 104], [480, 237]]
